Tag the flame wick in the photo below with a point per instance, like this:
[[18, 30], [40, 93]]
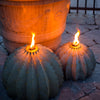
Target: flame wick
[[33, 41], [76, 40]]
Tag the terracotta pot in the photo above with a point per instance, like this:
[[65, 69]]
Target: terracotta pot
[[46, 18]]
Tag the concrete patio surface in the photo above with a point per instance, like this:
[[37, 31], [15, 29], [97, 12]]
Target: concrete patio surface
[[88, 89]]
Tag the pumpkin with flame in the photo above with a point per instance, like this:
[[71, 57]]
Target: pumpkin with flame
[[32, 73], [77, 59]]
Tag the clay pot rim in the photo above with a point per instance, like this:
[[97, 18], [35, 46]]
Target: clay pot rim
[[31, 2]]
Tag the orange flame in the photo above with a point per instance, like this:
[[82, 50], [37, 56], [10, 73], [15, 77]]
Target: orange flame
[[76, 41], [33, 40]]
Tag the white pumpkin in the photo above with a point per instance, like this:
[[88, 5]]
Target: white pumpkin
[[78, 61], [35, 75]]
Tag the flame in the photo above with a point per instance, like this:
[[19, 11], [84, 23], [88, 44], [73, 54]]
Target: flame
[[33, 40], [76, 40]]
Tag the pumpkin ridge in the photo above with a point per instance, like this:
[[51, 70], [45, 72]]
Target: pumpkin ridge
[[78, 64], [26, 72], [63, 52], [49, 70], [23, 66], [40, 61], [45, 48], [83, 65], [11, 67], [75, 64], [31, 76], [67, 54], [20, 82], [26, 62], [63, 46], [35, 59], [10, 77], [88, 63], [68, 71], [34, 62], [78, 72], [68, 66], [72, 64], [73, 67], [42, 72], [5, 68], [92, 57], [19, 51], [54, 68]]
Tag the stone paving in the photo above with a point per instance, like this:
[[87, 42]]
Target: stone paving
[[88, 89]]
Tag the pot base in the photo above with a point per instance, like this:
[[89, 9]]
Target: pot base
[[11, 46]]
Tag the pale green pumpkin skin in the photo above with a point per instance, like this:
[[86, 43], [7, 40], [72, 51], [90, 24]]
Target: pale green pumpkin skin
[[32, 76], [78, 63]]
